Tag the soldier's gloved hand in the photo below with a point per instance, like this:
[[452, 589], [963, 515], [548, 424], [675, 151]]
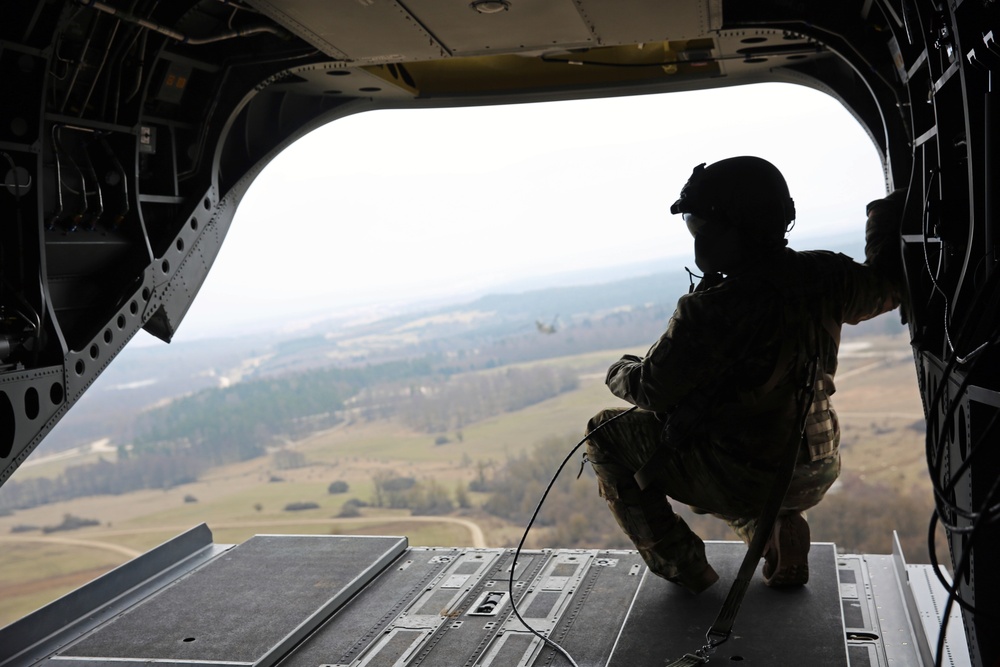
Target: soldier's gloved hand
[[626, 360], [882, 235]]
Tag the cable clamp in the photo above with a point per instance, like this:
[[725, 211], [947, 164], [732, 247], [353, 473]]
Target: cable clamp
[[691, 659], [715, 639]]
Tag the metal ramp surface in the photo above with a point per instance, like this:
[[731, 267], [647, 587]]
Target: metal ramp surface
[[358, 601]]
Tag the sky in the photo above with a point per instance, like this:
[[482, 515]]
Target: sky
[[400, 206]]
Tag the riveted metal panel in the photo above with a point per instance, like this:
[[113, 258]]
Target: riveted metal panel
[[363, 31], [632, 21], [527, 24]]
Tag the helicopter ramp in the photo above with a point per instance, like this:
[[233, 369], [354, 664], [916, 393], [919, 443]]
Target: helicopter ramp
[[361, 601]]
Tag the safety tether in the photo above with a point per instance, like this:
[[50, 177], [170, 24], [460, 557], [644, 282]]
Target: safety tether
[[723, 625]]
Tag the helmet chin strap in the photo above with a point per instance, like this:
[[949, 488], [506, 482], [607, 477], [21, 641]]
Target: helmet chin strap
[[729, 254]]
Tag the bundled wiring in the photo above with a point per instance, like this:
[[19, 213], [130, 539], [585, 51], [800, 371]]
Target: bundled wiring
[[987, 513], [531, 521], [991, 513], [963, 566], [962, 359]]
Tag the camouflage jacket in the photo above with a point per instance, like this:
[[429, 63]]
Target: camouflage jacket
[[730, 368]]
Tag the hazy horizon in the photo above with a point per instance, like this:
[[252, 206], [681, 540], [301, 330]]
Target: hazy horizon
[[293, 318]]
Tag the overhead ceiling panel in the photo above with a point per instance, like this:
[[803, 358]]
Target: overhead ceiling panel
[[367, 31], [526, 24], [634, 21]]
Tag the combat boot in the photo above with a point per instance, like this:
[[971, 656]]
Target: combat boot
[[786, 555], [696, 582]]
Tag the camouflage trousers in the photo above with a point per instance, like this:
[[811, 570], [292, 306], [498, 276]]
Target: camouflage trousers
[[701, 476]]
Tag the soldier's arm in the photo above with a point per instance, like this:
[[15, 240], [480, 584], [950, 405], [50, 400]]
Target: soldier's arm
[[882, 236], [689, 354], [876, 286]]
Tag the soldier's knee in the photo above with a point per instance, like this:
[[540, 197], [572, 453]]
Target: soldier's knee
[[594, 426], [595, 441], [601, 417]]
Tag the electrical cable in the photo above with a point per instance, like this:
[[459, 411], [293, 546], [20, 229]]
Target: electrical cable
[[978, 518], [817, 48], [935, 454], [962, 359], [965, 563], [955, 476], [180, 37], [985, 514], [989, 515], [119, 59], [943, 489], [100, 69], [531, 521]]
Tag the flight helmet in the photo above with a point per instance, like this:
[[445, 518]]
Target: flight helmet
[[746, 192]]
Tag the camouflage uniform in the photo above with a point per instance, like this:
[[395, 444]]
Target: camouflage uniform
[[719, 395]]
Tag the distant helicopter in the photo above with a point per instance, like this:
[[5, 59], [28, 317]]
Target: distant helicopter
[[547, 328]]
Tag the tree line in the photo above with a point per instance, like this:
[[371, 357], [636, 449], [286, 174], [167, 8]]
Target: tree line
[[151, 471], [451, 403], [236, 423], [859, 517]]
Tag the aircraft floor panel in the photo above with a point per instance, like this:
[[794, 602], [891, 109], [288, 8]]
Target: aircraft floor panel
[[243, 605], [359, 601], [799, 626]]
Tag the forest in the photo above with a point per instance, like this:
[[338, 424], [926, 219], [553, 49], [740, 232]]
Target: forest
[[858, 516]]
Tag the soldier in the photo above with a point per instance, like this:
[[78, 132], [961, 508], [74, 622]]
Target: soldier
[[719, 393]]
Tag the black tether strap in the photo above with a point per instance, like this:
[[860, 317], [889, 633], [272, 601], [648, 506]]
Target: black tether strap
[[723, 625]]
